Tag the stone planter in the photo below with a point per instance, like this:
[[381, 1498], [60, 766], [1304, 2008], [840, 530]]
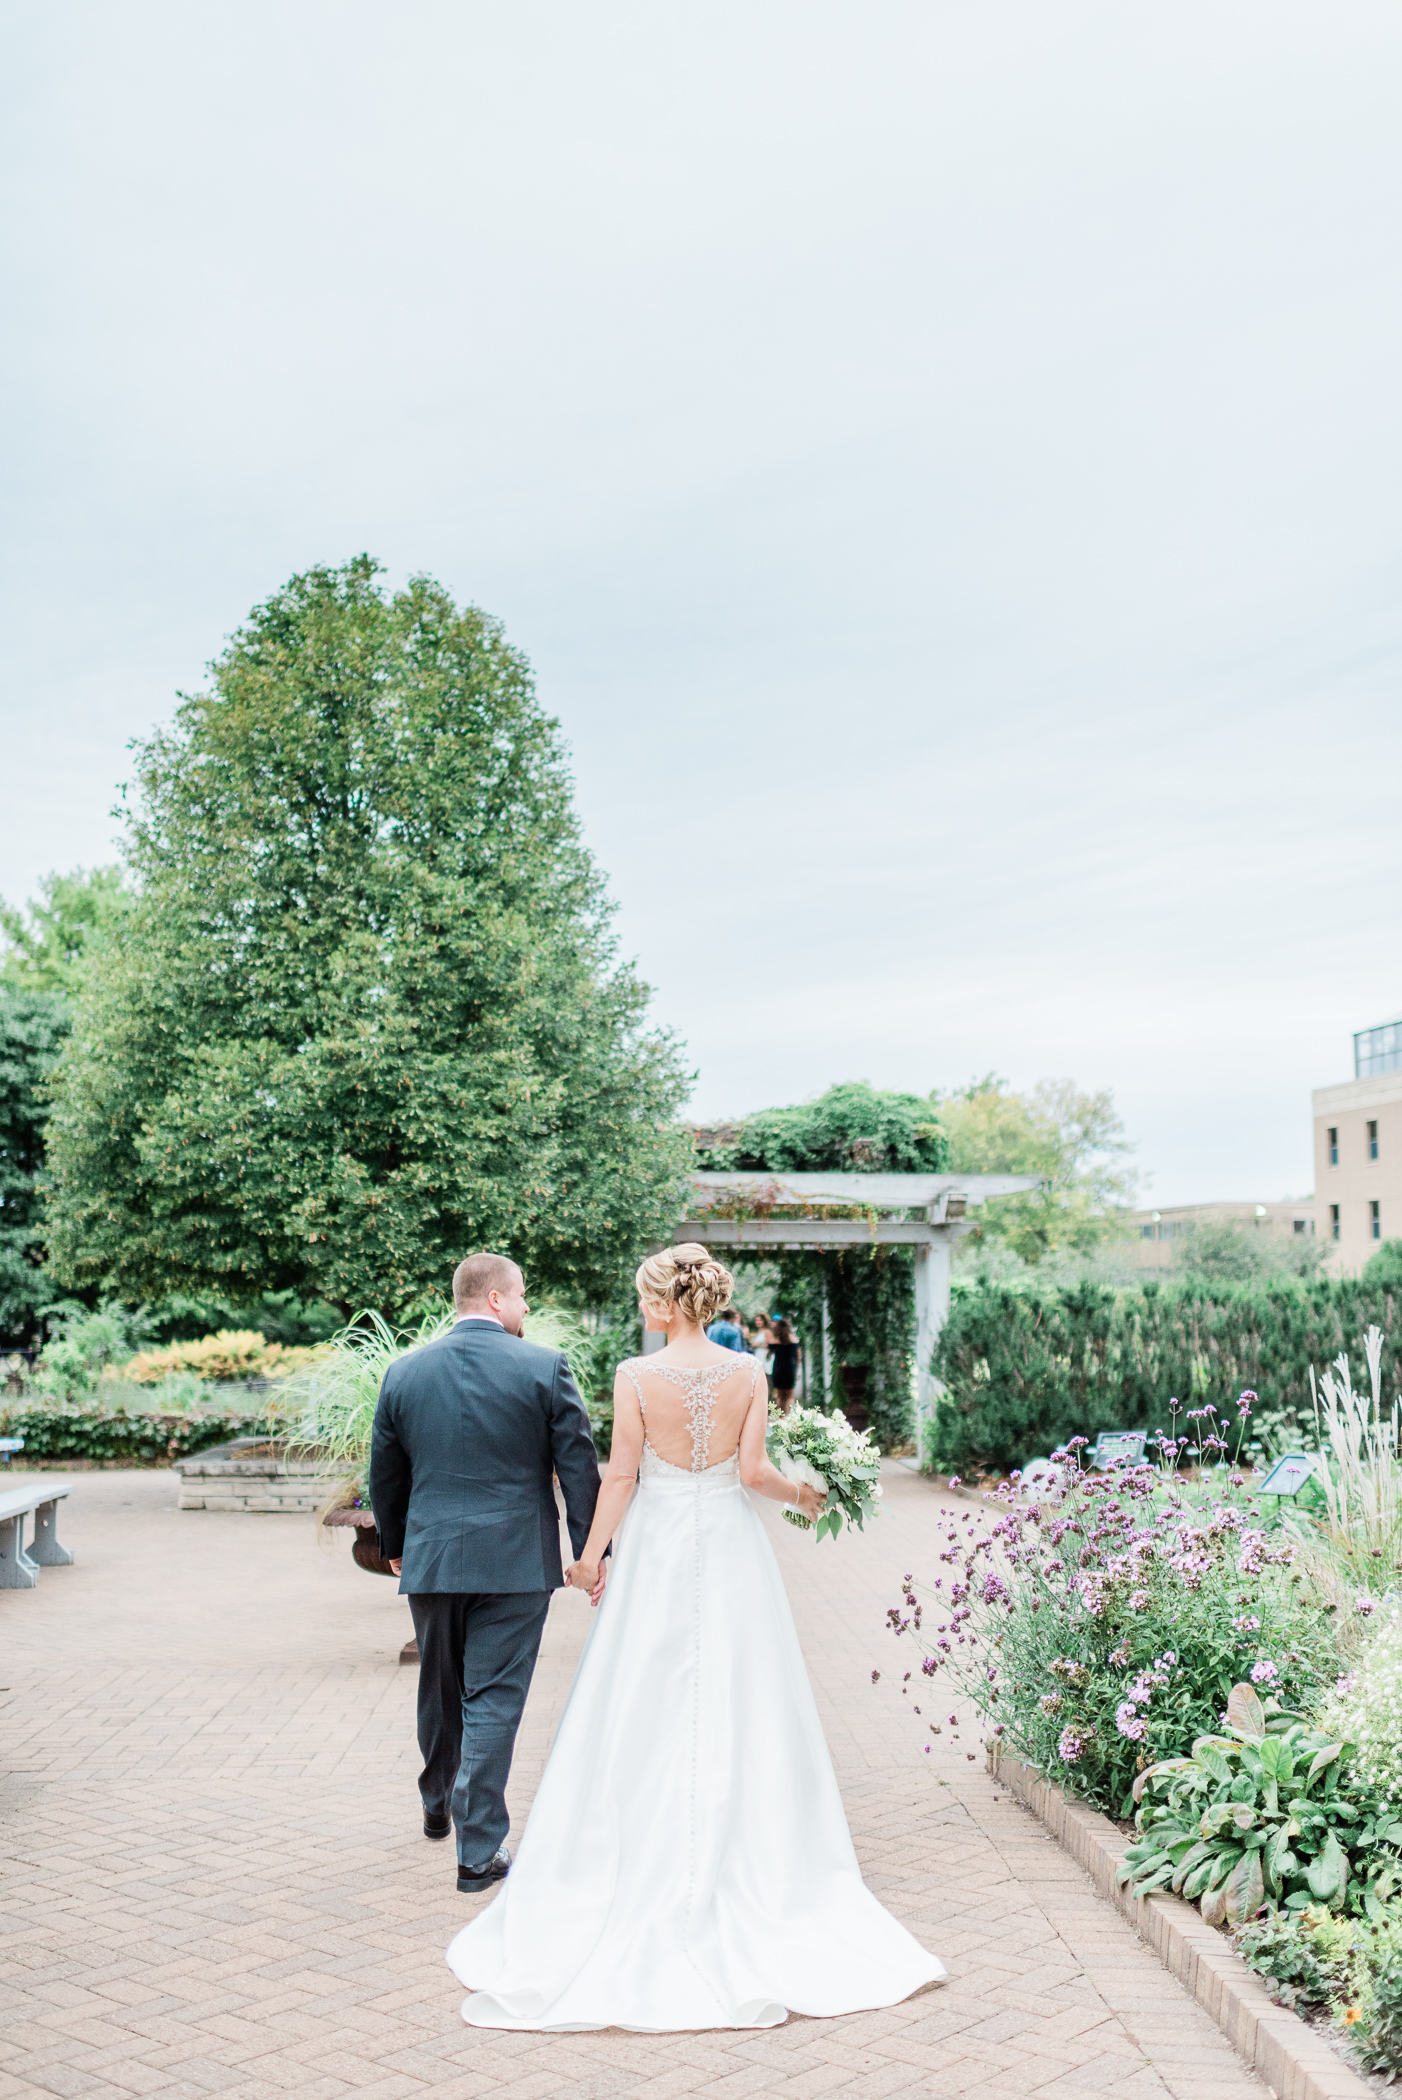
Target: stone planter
[[253, 1475], [365, 1552]]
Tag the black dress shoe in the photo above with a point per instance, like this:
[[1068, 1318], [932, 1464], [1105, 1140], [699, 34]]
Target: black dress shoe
[[496, 1869], [437, 1826]]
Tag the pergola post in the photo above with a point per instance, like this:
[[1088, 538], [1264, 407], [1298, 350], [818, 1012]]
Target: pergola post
[[931, 1312]]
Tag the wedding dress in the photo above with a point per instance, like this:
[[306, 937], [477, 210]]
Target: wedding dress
[[687, 1862]]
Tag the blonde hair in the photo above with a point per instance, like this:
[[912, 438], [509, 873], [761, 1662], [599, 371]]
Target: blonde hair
[[688, 1277]]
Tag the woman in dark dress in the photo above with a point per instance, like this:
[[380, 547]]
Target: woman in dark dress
[[784, 1376]]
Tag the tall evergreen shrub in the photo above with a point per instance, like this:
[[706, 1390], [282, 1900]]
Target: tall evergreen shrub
[[1023, 1371]]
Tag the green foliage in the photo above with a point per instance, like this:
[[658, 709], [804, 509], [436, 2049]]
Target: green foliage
[[1384, 1269], [71, 921], [1074, 1140], [133, 1436], [81, 1348], [870, 1291], [1313, 1958], [1222, 1252], [1304, 1953], [1104, 1628], [329, 1408], [279, 1316], [1024, 1370], [1259, 1816], [852, 1128], [33, 1024], [364, 1012]]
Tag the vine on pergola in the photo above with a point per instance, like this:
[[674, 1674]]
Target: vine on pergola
[[869, 1291]]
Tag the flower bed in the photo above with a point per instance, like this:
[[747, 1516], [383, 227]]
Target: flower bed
[[1175, 1651]]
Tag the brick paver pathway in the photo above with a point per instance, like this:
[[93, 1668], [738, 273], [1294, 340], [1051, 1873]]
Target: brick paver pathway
[[215, 1882]]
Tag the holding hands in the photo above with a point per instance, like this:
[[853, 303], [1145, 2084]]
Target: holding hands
[[587, 1575]]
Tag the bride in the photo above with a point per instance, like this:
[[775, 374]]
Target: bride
[[687, 1861]]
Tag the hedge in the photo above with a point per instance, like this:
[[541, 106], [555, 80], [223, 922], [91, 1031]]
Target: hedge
[[1022, 1372], [112, 1433]]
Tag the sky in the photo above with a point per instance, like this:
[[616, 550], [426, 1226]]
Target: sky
[[942, 463]]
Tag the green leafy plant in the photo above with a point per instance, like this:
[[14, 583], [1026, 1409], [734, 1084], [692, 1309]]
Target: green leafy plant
[[1258, 1816], [1313, 1957]]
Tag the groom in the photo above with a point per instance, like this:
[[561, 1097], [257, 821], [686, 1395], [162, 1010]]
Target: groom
[[468, 1431]]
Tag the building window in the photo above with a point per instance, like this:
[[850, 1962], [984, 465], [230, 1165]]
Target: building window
[[1333, 1221], [1146, 1232], [1333, 1144], [1304, 1228], [1372, 1141], [1377, 1050], [1375, 1221]]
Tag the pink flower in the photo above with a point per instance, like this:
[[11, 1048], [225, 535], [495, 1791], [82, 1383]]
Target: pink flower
[[1365, 1607], [1129, 1722], [1263, 1671]]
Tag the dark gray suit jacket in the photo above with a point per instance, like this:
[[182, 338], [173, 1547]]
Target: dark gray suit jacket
[[467, 1433]]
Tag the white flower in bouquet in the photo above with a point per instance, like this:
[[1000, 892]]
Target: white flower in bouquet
[[825, 1452]]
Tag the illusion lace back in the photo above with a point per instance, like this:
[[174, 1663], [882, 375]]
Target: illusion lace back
[[700, 1389], [687, 1862]]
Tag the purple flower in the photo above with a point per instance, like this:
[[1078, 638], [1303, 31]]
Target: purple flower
[[1129, 1721], [1263, 1671], [1365, 1607], [1073, 1741]]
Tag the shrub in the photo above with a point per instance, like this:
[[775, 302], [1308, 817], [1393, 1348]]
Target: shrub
[[1024, 1370], [1259, 1816], [226, 1356], [1104, 1629], [1313, 1957], [134, 1437]]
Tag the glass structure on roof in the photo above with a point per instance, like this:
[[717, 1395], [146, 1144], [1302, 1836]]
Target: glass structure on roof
[[1377, 1050]]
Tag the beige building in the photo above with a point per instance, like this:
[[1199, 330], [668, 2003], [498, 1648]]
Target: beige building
[[1158, 1234], [1358, 1152]]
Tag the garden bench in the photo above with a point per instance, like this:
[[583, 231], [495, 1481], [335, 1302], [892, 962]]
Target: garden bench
[[20, 1570], [8, 1446]]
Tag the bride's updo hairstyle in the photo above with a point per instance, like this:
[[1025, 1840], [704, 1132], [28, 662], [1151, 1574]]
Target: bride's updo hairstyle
[[689, 1278]]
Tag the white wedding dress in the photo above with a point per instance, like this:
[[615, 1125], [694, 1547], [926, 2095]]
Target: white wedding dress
[[687, 1862]]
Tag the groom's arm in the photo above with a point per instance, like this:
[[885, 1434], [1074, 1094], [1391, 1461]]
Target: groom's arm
[[573, 1456], [391, 1476]]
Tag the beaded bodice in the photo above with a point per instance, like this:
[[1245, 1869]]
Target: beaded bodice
[[699, 1388]]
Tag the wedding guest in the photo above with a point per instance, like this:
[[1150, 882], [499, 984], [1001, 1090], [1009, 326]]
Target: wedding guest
[[784, 1377], [727, 1331]]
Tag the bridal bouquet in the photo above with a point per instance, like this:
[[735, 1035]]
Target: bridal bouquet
[[827, 1453]]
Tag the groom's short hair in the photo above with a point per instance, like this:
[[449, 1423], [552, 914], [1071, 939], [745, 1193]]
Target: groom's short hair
[[479, 1274]]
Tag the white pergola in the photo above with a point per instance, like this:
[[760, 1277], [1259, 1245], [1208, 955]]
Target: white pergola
[[891, 1202]]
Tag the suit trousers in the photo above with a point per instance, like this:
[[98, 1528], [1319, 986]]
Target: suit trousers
[[476, 1656]]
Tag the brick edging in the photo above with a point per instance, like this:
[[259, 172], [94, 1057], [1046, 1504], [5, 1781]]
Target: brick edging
[[1296, 2063]]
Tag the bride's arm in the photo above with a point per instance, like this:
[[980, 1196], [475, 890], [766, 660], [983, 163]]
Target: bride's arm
[[757, 1470], [620, 1478]]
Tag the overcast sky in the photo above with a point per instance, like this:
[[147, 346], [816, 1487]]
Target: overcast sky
[[941, 460]]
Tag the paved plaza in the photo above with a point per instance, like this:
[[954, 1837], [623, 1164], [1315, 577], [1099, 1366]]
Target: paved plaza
[[215, 1880]]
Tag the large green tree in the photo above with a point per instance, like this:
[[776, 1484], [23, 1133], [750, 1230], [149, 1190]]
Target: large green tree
[[364, 1013], [32, 1025], [1074, 1140]]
